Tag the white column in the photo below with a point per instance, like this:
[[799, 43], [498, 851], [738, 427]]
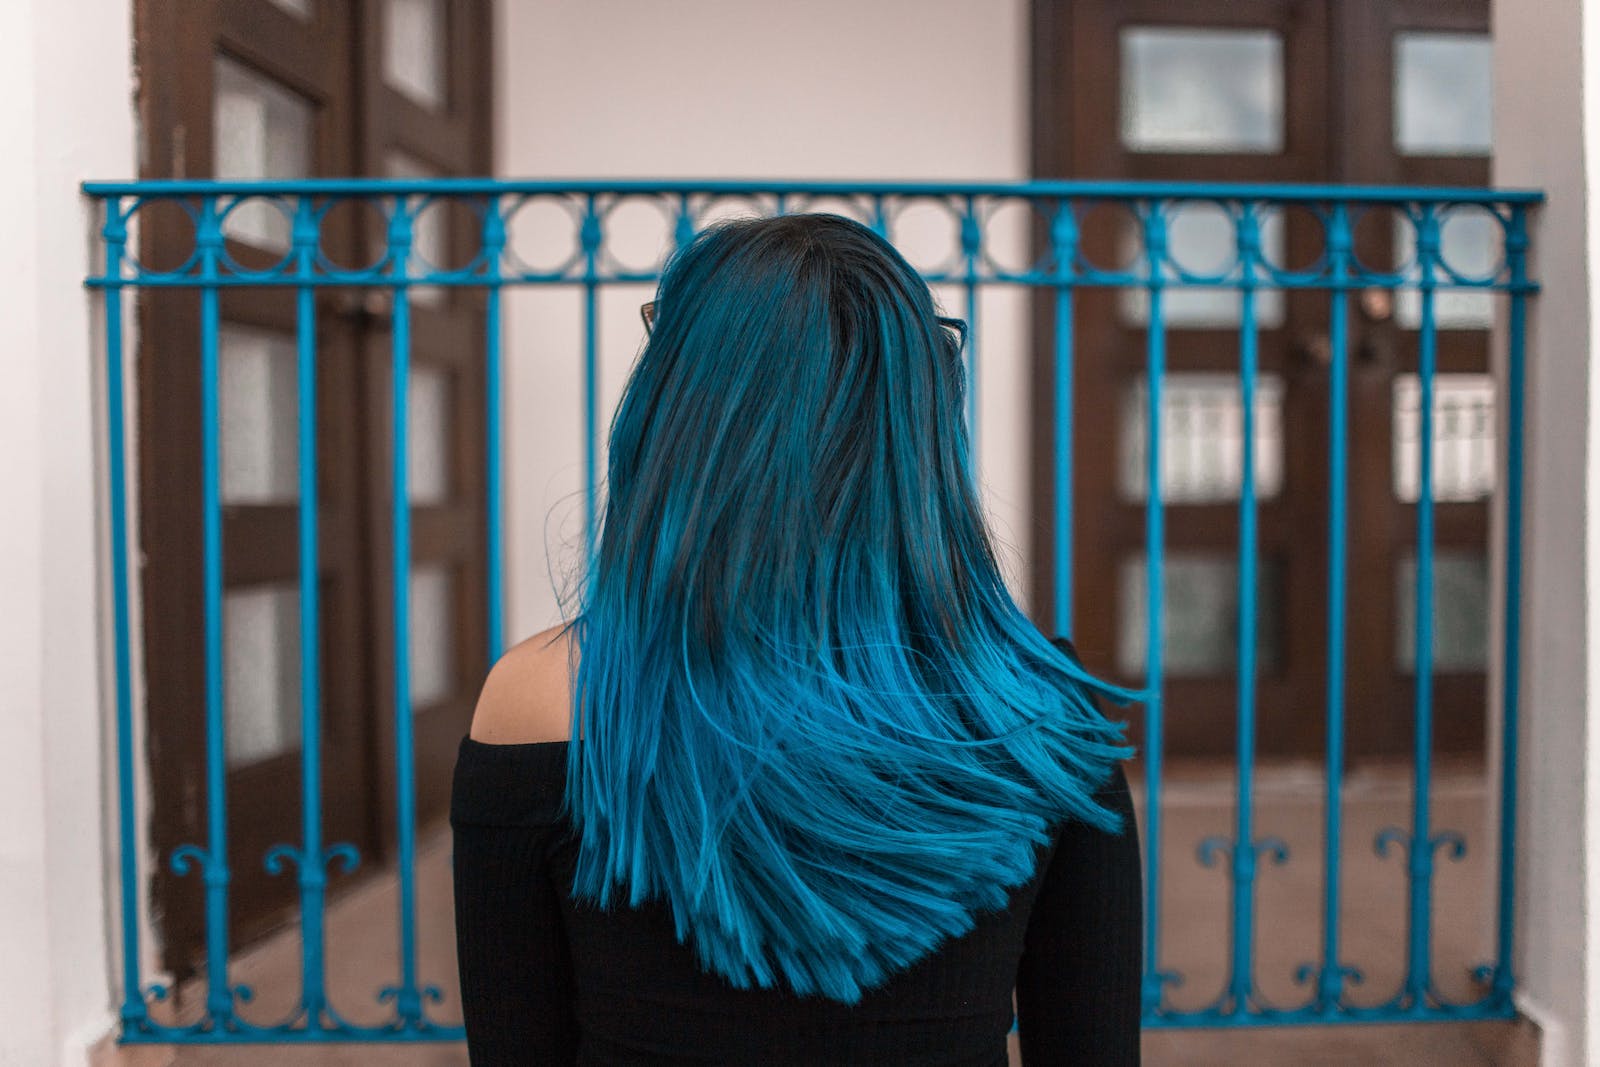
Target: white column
[[1546, 71], [66, 114]]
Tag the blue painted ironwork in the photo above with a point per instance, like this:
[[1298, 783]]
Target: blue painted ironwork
[[1060, 270], [1332, 973], [1244, 847], [1063, 257], [494, 243]]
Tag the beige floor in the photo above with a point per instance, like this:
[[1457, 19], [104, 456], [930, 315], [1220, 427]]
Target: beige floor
[[1195, 933]]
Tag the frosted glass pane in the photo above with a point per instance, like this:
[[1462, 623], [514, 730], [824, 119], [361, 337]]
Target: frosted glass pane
[[261, 672], [428, 446], [257, 413], [1460, 612], [430, 236], [1202, 438], [414, 50], [1443, 94], [1204, 242], [1202, 90], [1200, 616], [1470, 243], [260, 130], [433, 635], [1463, 437]]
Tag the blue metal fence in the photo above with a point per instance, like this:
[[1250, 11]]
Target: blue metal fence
[[1061, 268]]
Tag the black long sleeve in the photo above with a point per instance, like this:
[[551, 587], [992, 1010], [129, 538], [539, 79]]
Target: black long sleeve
[[511, 948], [1078, 980]]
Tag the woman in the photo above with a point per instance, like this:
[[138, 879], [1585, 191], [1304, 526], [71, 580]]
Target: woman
[[832, 799]]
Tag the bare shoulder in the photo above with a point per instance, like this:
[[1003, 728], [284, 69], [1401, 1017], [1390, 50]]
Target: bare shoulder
[[527, 696]]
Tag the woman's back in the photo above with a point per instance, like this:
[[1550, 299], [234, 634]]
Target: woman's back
[[828, 793], [547, 979]]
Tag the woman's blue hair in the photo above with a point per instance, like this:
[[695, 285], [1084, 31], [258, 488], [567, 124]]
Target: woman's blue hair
[[808, 715]]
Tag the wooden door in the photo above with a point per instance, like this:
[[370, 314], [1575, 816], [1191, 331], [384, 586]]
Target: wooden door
[[244, 89], [1259, 91]]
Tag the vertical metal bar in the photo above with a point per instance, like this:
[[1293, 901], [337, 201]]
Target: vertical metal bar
[[683, 229], [115, 233], [879, 221], [591, 235], [1064, 242], [1155, 237], [1421, 851], [219, 996], [408, 1000], [1244, 854], [1516, 259], [313, 881], [494, 240], [1330, 982], [971, 244]]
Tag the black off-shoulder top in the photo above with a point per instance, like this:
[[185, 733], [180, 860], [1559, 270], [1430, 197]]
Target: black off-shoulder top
[[546, 981]]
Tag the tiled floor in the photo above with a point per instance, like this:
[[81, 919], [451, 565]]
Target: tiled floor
[[1196, 803]]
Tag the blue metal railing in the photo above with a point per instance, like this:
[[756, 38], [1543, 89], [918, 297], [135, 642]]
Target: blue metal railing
[[971, 266]]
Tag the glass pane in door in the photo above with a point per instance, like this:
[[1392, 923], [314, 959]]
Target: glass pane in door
[[1460, 611], [1443, 94], [1200, 615], [1201, 90], [261, 672], [261, 129], [414, 50], [1464, 445], [433, 634], [428, 449], [1202, 438], [258, 411]]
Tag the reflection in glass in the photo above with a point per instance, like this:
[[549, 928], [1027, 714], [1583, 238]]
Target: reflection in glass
[[1200, 615], [1202, 240], [261, 672], [298, 8], [1443, 94], [256, 380], [414, 50], [1463, 437], [1202, 438], [428, 441], [1460, 611], [260, 130], [433, 635], [1201, 90]]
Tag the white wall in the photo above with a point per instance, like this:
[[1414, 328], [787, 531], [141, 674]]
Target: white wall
[[65, 115], [887, 89], [1547, 127]]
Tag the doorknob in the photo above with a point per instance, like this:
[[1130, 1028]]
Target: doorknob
[[1376, 304]]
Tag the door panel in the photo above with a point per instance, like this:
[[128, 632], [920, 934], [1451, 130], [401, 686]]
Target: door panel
[[1265, 91], [247, 89]]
